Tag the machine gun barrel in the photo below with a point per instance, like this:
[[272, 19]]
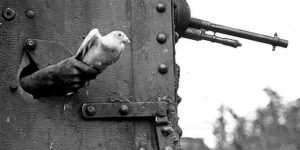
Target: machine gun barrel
[[202, 24], [197, 35]]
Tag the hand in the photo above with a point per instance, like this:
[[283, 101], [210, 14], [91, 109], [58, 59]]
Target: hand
[[66, 76], [72, 74]]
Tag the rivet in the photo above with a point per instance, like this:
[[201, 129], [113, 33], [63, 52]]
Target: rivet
[[178, 98], [91, 110], [165, 131], [161, 38], [30, 14], [30, 44], [13, 87], [8, 14], [168, 148], [160, 7], [124, 110], [163, 68]]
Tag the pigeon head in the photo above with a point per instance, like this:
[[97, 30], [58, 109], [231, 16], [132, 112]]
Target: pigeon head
[[120, 36]]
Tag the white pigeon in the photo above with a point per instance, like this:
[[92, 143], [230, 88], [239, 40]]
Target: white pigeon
[[101, 51]]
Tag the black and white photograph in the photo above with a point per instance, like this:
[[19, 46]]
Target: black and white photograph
[[149, 75]]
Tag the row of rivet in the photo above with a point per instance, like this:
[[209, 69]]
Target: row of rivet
[[161, 38], [124, 110], [162, 69], [92, 110], [9, 14]]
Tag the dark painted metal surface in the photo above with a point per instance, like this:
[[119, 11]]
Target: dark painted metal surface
[[58, 26]]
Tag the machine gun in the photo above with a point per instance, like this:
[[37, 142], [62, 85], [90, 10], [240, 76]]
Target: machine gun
[[195, 29]]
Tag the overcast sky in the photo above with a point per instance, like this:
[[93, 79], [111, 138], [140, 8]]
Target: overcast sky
[[213, 74]]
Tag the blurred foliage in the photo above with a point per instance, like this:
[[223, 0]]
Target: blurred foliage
[[193, 144], [220, 130], [276, 127]]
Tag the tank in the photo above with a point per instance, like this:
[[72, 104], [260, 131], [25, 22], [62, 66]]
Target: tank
[[132, 105]]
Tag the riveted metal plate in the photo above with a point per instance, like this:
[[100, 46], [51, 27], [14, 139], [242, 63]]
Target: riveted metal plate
[[112, 110], [59, 25]]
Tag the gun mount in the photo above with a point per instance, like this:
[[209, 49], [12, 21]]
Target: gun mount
[[195, 29]]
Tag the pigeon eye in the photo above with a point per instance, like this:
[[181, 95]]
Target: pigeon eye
[[119, 34]]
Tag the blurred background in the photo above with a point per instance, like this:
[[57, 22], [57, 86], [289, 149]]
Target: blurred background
[[244, 98]]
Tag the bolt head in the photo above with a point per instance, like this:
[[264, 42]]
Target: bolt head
[[160, 7], [8, 14], [165, 131], [124, 110], [30, 14], [163, 69], [161, 38], [30, 44], [91, 110]]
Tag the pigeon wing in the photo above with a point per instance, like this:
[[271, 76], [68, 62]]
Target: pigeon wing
[[88, 42]]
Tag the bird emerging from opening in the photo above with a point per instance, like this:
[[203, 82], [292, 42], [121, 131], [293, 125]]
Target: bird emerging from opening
[[101, 51]]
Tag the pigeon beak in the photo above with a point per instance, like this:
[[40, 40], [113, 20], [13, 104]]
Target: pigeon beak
[[127, 40]]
